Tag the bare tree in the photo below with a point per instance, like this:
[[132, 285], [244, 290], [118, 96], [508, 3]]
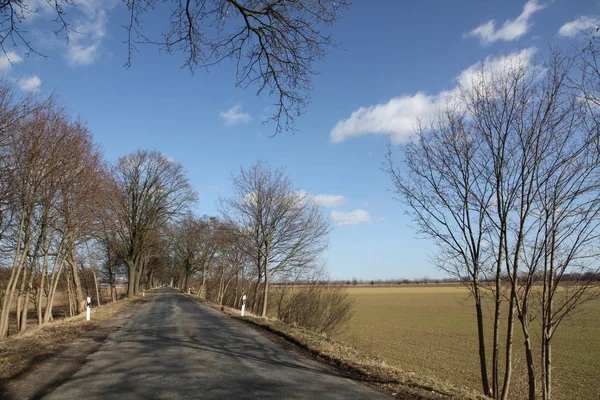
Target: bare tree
[[150, 190], [53, 168], [506, 183], [193, 242], [280, 228], [273, 43], [14, 13], [230, 262], [441, 186]]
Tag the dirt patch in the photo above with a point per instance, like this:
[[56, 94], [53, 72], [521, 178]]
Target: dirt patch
[[37, 361]]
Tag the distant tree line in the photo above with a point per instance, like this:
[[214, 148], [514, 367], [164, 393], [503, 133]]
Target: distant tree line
[[391, 281], [592, 276]]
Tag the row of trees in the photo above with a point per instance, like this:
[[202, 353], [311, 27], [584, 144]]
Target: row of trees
[[267, 230], [64, 209], [68, 217], [49, 173], [506, 180]]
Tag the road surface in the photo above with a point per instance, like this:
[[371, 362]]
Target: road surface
[[176, 348]]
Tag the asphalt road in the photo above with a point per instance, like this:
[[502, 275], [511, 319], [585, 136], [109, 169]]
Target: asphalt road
[[175, 348]]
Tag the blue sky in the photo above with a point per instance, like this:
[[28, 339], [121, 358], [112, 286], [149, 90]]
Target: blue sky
[[396, 57]]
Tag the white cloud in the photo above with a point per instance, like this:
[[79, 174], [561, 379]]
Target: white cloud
[[235, 116], [27, 84], [322, 200], [398, 117], [582, 24], [7, 60], [89, 30], [351, 217], [511, 29], [329, 200], [30, 84]]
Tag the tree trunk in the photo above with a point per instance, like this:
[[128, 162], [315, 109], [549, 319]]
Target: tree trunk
[[131, 280], [235, 292], [227, 282], [481, 340], [53, 284], [69, 292], [511, 309], [202, 291], [77, 292], [96, 286], [266, 293], [221, 293], [15, 273], [20, 297], [28, 287], [496, 334], [150, 279], [25, 310], [255, 295], [509, 343], [548, 310], [497, 311], [530, 365], [259, 272], [547, 370], [42, 283], [138, 279]]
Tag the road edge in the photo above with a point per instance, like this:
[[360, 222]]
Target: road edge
[[373, 373], [54, 371]]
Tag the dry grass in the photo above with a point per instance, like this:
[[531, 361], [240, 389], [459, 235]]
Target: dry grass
[[60, 308], [427, 333], [21, 353], [431, 331]]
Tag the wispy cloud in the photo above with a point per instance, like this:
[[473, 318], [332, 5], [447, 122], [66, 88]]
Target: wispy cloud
[[323, 200], [398, 117], [89, 30], [351, 217], [30, 84], [38, 8], [583, 24], [234, 116], [329, 200], [511, 29]]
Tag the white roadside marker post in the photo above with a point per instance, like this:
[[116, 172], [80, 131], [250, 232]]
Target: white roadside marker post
[[243, 305], [143, 293], [89, 306]]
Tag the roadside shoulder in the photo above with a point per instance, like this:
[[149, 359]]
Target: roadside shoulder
[[36, 362], [360, 367]]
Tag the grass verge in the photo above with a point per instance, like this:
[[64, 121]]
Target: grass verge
[[367, 369], [21, 353]]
